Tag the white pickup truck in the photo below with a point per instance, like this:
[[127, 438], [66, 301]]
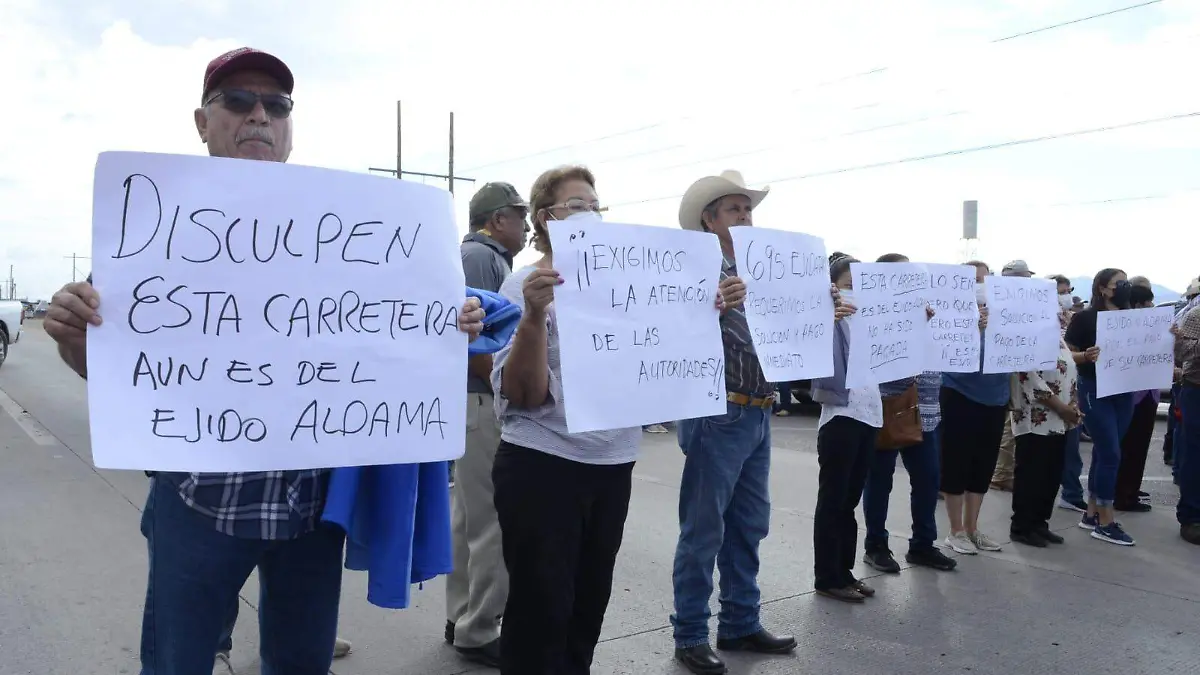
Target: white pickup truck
[[12, 318]]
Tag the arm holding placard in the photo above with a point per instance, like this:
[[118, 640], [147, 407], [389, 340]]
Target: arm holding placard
[[71, 311], [525, 373]]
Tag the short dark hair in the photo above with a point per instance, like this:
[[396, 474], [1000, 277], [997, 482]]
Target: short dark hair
[[839, 264], [1060, 279], [892, 258], [1099, 283], [1140, 294]]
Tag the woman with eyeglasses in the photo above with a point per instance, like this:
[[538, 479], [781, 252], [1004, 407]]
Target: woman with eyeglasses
[[561, 497], [1107, 418]]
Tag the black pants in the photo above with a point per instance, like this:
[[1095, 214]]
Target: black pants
[[844, 448], [561, 524], [971, 435], [1037, 472], [1134, 449]]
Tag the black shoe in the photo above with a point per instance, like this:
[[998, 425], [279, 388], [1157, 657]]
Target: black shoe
[[882, 560], [762, 642], [1142, 494], [1136, 507], [487, 655], [1050, 537], [930, 557], [1190, 533], [1028, 538], [450, 632], [701, 660]]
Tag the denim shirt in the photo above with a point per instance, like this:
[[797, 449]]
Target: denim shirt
[[832, 390]]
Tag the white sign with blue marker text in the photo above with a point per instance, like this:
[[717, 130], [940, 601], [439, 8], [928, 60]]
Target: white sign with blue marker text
[[1023, 330], [639, 336], [1137, 350], [889, 334], [788, 305]]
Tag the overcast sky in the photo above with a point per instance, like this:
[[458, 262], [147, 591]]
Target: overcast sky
[[788, 92]]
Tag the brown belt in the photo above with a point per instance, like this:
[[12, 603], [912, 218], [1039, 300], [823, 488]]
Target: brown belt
[[752, 401]]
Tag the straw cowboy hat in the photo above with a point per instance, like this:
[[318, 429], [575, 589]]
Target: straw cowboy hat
[[711, 188]]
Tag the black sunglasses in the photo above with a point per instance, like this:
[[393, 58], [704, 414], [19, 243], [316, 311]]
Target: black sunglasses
[[240, 102]]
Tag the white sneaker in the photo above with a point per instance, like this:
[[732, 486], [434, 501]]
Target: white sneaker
[[340, 648], [959, 542], [983, 542]]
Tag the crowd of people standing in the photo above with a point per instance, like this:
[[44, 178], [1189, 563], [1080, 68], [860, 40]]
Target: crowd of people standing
[[539, 513]]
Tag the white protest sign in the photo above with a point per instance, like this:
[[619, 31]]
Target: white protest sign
[[788, 305], [1137, 350], [1023, 331], [890, 331], [639, 337], [954, 345], [260, 316]]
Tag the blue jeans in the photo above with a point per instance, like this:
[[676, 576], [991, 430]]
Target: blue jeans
[[921, 462], [1178, 444], [196, 574], [724, 513], [1107, 421], [1072, 489], [1187, 458]]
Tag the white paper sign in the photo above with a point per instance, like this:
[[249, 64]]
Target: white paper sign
[[788, 305], [1023, 331], [889, 334], [260, 316], [1137, 350], [639, 336], [954, 345]]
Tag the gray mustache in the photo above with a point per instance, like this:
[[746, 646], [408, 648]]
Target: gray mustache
[[255, 134]]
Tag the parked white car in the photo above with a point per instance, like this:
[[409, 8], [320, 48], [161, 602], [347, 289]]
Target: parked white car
[[12, 318]]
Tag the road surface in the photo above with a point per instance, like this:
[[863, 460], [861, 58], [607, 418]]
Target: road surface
[[73, 568]]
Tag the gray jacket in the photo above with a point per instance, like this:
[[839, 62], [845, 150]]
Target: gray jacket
[[832, 390]]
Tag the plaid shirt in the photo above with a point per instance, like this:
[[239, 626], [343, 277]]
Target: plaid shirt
[[1187, 347], [743, 374], [272, 505]]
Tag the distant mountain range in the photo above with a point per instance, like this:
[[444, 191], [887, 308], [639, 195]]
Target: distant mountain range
[[1083, 288]]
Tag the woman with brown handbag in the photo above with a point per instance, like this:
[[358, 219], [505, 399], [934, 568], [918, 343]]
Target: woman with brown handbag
[[904, 436]]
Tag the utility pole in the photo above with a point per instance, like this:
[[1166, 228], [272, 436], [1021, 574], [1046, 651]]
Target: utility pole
[[74, 266], [399, 171], [12, 284]]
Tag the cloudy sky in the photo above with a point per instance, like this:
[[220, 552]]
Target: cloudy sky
[[853, 111]]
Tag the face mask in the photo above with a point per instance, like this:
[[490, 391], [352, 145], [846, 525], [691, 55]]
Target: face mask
[[847, 295], [1065, 302], [981, 293], [1121, 293]]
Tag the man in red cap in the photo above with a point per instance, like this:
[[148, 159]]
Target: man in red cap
[[206, 532]]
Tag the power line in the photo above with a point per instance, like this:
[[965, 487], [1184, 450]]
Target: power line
[[874, 71], [948, 153]]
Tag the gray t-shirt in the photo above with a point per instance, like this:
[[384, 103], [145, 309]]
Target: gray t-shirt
[[544, 428], [486, 264]]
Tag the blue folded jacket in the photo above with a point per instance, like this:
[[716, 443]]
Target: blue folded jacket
[[397, 516]]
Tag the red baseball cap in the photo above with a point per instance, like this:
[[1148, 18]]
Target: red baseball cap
[[246, 58]]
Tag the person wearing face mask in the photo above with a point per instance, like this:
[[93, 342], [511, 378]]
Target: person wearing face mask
[[561, 498], [1107, 418], [1066, 301], [974, 410], [1135, 445], [846, 434], [724, 502]]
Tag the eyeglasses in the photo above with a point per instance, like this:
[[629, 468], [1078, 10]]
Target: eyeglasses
[[577, 206], [241, 101]]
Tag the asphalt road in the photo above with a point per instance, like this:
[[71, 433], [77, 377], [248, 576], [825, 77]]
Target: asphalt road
[[73, 568]]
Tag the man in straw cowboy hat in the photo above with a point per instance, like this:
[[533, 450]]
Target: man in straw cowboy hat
[[724, 509]]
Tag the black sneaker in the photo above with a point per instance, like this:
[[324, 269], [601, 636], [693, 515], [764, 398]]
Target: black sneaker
[[1028, 538], [1137, 507], [882, 560], [487, 655], [1050, 537], [932, 558], [449, 632], [1190, 533]]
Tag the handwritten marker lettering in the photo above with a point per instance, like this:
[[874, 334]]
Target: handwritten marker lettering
[[1023, 331], [1137, 350], [890, 334], [788, 305], [639, 336], [272, 317]]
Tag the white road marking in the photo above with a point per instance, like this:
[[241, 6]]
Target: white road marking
[[27, 422]]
